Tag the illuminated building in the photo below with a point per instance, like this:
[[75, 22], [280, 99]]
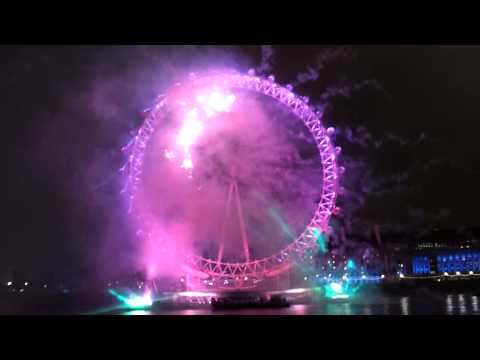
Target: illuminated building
[[447, 252]]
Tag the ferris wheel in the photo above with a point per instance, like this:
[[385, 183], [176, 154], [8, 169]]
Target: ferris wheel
[[214, 94]]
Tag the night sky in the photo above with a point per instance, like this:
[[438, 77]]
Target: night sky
[[67, 111]]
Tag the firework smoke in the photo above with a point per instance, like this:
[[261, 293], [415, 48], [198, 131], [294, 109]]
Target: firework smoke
[[277, 163], [276, 187]]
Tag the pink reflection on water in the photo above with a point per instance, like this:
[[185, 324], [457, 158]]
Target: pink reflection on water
[[298, 309]]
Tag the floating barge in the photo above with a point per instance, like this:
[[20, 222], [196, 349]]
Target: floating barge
[[248, 301]]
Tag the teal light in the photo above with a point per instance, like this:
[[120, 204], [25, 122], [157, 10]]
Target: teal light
[[321, 241], [334, 290], [351, 264], [134, 301], [119, 297], [338, 290], [137, 312], [274, 213]]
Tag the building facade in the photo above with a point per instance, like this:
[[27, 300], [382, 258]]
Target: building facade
[[450, 262], [446, 253]]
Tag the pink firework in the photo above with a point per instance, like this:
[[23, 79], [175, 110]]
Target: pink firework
[[206, 108]]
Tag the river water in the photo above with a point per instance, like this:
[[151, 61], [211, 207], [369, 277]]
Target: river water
[[445, 304]]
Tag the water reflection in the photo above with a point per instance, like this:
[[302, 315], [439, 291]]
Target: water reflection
[[386, 307], [138, 312], [475, 304], [367, 310], [298, 309], [347, 308], [190, 312], [449, 305], [336, 309], [461, 304], [404, 303]]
